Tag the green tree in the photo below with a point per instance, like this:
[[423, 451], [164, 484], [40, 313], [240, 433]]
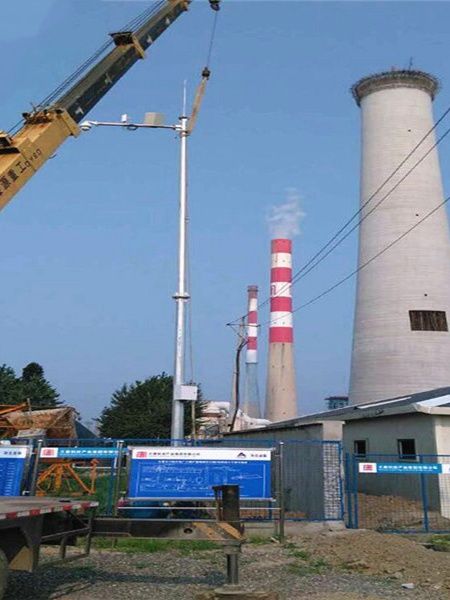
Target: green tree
[[10, 392], [142, 410], [34, 387], [32, 371], [31, 386]]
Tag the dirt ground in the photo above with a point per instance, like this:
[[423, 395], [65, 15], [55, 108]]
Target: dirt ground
[[387, 555], [316, 562], [396, 513]]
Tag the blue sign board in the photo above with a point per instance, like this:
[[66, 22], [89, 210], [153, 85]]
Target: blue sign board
[[190, 473], [12, 465], [425, 468], [79, 453]]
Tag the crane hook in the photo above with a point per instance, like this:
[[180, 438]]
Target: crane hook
[[215, 4]]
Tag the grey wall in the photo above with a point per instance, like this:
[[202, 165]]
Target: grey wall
[[312, 469], [442, 438], [382, 434]]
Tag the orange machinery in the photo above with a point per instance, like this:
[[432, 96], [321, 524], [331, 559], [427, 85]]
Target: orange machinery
[[58, 425]]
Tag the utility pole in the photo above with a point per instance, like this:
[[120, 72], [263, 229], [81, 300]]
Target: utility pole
[[182, 392], [241, 343], [182, 296]]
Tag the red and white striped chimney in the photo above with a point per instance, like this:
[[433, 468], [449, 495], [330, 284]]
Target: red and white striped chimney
[[251, 405], [281, 392], [252, 325]]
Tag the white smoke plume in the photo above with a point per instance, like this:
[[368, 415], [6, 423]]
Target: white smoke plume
[[284, 219]]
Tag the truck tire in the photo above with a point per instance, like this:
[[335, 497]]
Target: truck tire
[[4, 573]]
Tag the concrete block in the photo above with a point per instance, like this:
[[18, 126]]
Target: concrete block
[[236, 592], [335, 525], [312, 528]]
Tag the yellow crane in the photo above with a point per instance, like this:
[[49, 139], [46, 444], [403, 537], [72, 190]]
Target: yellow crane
[[44, 129]]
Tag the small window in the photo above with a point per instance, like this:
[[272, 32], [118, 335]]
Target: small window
[[407, 449], [428, 320], [360, 447]]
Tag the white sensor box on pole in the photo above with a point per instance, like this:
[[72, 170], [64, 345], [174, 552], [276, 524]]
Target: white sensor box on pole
[[186, 393]]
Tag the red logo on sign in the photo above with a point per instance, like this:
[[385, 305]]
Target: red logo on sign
[[141, 454], [47, 452], [368, 468]]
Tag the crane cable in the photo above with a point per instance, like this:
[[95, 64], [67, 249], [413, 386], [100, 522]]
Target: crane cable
[[131, 25], [192, 119], [206, 73], [212, 40]]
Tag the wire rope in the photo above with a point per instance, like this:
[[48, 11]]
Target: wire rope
[[135, 23], [212, 40], [188, 263]]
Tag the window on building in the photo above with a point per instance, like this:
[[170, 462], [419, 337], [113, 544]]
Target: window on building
[[360, 447], [428, 320], [407, 449]]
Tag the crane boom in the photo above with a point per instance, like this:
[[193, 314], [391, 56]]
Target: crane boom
[[130, 47], [47, 127]]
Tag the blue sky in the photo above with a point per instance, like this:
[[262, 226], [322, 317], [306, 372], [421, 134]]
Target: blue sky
[[88, 248]]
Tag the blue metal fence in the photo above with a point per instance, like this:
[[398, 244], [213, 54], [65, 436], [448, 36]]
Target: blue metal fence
[[392, 494], [312, 475], [307, 482]]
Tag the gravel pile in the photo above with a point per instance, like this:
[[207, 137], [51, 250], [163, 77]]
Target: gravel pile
[[339, 566]]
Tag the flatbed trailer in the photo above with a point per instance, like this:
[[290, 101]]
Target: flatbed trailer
[[28, 522]]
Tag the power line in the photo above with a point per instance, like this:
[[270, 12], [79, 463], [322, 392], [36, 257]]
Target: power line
[[298, 276], [311, 264], [301, 273], [368, 262]]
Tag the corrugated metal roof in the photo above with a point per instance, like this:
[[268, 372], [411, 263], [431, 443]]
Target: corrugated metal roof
[[439, 397]]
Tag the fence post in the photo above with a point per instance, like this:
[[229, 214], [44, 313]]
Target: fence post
[[35, 472], [341, 467], [280, 489], [355, 491], [424, 494], [117, 473], [348, 490]]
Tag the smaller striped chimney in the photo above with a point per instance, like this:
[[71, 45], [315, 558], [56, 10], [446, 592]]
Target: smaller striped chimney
[[281, 392], [251, 405]]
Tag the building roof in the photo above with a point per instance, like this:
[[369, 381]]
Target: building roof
[[435, 402]]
